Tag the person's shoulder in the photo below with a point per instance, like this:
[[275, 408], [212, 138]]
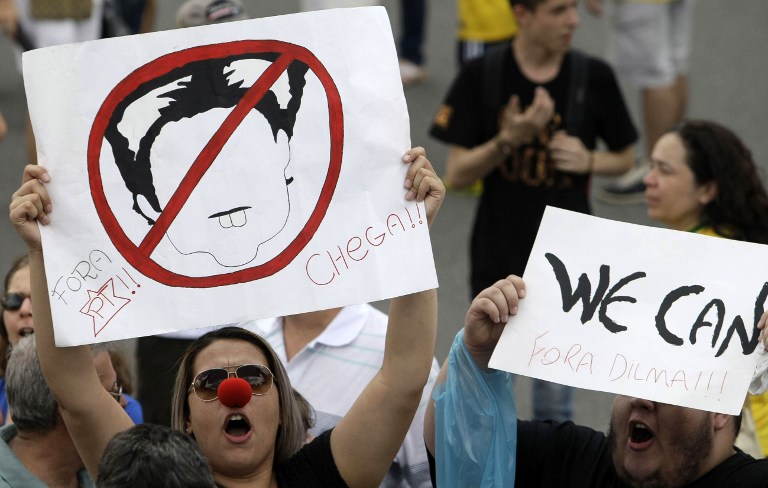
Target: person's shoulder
[[740, 469], [595, 65], [553, 431]]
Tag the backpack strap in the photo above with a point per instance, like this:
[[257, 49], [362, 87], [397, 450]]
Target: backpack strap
[[577, 91], [493, 77]]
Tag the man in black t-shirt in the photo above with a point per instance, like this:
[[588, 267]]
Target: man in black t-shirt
[[526, 120], [650, 444]]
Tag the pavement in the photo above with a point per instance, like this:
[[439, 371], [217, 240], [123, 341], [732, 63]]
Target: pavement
[[728, 72]]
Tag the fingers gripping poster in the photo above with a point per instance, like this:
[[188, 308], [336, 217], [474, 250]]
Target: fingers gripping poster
[[224, 173]]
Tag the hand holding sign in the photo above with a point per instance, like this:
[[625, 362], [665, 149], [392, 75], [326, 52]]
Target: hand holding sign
[[31, 203], [208, 166], [422, 182], [595, 319], [487, 316]]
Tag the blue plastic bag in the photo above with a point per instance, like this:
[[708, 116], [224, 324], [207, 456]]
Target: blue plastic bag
[[475, 424]]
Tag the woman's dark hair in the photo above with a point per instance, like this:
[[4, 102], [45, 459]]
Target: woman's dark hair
[[19, 263], [715, 154]]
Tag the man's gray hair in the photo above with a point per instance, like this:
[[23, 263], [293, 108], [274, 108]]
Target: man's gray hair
[[30, 401]]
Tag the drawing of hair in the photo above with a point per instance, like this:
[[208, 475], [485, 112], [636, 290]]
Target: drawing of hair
[[202, 86]]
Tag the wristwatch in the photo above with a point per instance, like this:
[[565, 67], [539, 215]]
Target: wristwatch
[[503, 147]]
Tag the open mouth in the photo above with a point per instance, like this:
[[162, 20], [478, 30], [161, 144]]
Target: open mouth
[[231, 218], [24, 332], [237, 426], [640, 435]]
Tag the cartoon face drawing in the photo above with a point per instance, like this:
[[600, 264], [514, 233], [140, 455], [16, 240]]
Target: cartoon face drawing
[[241, 202], [241, 198]]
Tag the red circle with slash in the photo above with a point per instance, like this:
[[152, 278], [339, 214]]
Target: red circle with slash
[[139, 256]]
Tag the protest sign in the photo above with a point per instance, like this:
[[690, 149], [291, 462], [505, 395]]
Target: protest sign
[[224, 173], [654, 313]]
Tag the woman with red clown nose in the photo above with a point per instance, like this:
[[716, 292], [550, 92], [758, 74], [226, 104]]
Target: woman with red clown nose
[[232, 394]]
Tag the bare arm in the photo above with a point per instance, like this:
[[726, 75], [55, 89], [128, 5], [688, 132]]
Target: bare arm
[[366, 440], [9, 18], [613, 162], [92, 416], [570, 155], [464, 166]]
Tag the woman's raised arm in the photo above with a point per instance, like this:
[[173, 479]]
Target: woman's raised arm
[[92, 415], [366, 440]]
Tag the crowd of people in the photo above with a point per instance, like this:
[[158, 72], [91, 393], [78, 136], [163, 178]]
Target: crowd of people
[[265, 403]]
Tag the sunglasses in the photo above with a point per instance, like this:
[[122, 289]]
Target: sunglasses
[[206, 383], [13, 301]]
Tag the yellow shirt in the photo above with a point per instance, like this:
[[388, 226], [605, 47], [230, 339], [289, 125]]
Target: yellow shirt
[[486, 20]]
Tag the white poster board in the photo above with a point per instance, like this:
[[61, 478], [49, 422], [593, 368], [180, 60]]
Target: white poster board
[[640, 311], [224, 173]]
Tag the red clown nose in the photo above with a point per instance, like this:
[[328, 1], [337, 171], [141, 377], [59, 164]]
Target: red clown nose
[[234, 392]]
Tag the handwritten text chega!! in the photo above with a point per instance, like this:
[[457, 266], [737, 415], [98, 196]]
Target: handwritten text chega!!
[[323, 268]]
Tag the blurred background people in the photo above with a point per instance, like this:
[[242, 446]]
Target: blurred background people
[[413, 20], [651, 49], [16, 318], [483, 24], [36, 449], [17, 322]]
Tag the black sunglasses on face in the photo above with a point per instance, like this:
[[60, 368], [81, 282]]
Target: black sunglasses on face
[[13, 301]]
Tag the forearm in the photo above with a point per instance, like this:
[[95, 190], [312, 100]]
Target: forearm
[[92, 416], [611, 163], [410, 342], [65, 368], [366, 440], [465, 166]]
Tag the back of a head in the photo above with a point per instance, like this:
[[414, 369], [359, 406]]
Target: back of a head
[[195, 13], [32, 404], [149, 455]]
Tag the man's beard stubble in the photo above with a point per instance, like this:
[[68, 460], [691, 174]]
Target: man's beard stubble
[[694, 449]]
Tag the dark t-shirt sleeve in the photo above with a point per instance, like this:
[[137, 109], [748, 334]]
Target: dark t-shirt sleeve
[[612, 121], [459, 120], [312, 466]]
